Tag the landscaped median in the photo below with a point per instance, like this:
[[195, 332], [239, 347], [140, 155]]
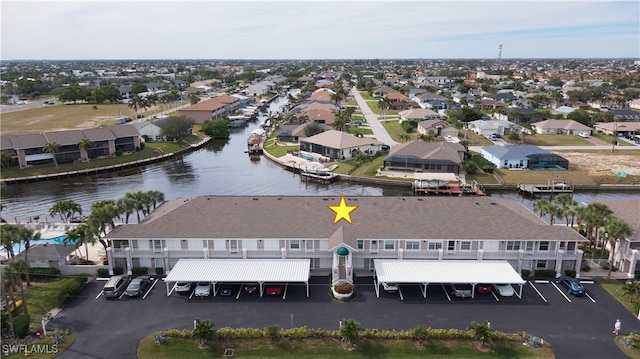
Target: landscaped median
[[349, 341]]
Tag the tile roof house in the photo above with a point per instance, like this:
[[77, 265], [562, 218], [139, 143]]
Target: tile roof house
[[523, 156], [212, 108], [628, 128], [486, 229], [418, 114], [339, 145], [560, 127], [421, 156], [437, 128], [399, 101], [382, 91]]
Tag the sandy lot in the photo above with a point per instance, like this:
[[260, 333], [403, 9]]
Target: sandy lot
[[605, 163]]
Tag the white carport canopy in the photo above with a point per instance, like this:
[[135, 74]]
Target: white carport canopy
[[240, 271], [424, 272]]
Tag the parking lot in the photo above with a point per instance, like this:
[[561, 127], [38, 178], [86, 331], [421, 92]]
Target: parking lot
[[575, 326]]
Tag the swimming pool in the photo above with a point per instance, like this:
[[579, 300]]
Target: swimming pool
[[19, 247], [307, 157]]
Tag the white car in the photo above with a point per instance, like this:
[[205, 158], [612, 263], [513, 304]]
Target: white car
[[505, 290], [584, 135], [203, 289], [184, 287], [390, 287]]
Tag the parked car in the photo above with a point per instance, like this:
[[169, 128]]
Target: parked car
[[584, 135], [461, 290], [250, 287], [390, 287], [184, 288], [505, 290], [115, 286], [573, 286], [483, 288], [274, 289], [138, 286], [203, 289], [225, 290]]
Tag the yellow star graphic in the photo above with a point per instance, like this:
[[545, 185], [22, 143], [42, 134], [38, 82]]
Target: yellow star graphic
[[342, 211]]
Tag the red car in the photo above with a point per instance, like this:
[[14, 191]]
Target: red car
[[274, 289], [483, 288]]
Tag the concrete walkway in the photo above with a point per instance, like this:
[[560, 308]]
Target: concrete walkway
[[379, 131]]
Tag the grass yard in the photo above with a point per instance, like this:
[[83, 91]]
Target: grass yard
[[277, 151], [395, 130], [331, 348], [68, 340], [555, 140]]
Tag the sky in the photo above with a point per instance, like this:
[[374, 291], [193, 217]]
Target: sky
[[351, 29]]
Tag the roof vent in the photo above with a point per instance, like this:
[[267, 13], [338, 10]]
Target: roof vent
[[255, 198]]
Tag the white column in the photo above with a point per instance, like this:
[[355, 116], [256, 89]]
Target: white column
[[205, 253], [283, 252], [632, 263], [110, 259], [520, 260], [166, 259], [127, 252], [578, 267], [244, 253], [440, 254], [480, 254], [559, 256], [400, 253]]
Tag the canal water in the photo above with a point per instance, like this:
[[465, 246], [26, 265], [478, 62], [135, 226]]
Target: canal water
[[219, 168]]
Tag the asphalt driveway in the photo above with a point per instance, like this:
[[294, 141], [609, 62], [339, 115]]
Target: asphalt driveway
[[579, 328]]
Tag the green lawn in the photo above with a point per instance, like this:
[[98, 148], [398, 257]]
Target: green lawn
[[277, 151], [395, 130], [41, 298], [331, 348]]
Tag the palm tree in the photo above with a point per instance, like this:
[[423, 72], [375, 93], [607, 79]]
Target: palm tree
[[631, 289], [615, 230], [203, 332], [65, 209], [27, 235], [81, 235], [16, 269], [9, 236], [349, 331], [126, 206], [84, 144], [541, 207], [52, 148], [102, 218], [554, 212], [565, 202], [155, 197], [482, 332], [5, 159], [134, 103], [404, 137]]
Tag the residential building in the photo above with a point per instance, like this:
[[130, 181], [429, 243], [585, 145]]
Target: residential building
[[560, 127], [624, 129], [627, 253], [426, 228], [523, 156], [421, 156], [439, 128], [339, 145], [213, 108]]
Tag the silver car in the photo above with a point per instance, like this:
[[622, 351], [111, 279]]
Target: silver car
[[203, 289], [461, 290]]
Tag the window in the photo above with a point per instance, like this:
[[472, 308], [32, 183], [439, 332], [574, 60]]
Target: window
[[513, 245], [451, 246], [435, 246], [233, 246], [389, 245], [544, 246], [529, 247], [465, 245], [157, 246], [294, 244], [541, 265], [413, 245], [309, 245], [360, 244]]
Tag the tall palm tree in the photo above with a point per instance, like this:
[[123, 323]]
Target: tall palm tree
[[541, 207], [66, 209], [126, 206], [28, 235], [615, 230], [565, 202], [155, 197], [5, 159], [16, 269], [555, 212], [9, 236], [84, 144], [52, 148], [81, 235], [101, 219]]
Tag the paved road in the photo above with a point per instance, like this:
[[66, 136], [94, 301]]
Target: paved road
[[379, 131], [576, 329], [571, 148]]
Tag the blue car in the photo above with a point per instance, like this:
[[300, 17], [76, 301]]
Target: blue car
[[573, 286]]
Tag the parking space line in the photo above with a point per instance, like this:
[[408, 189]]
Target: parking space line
[[191, 295], [537, 291], [495, 296], [239, 291], [151, 287], [587, 294], [561, 292], [284, 295], [445, 292], [99, 294], [121, 295], [400, 292]]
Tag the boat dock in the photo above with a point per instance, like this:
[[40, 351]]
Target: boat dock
[[535, 190], [320, 177], [452, 189]]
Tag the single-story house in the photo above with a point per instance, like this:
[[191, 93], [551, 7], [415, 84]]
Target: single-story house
[[382, 91], [150, 130], [212, 108], [437, 128], [625, 129], [625, 115], [418, 114], [519, 115], [399, 101], [490, 127], [523, 156], [339, 145], [560, 127], [421, 156], [47, 255]]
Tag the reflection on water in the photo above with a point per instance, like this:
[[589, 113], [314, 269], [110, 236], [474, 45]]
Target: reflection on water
[[220, 168]]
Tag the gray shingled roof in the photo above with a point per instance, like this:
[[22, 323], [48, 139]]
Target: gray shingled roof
[[440, 218], [445, 151], [47, 252], [125, 131], [629, 211], [340, 140], [64, 138], [508, 152], [35, 140], [5, 143], [99, 134]]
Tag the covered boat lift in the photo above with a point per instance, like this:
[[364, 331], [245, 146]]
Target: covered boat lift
[[239, 271], [425, 272]]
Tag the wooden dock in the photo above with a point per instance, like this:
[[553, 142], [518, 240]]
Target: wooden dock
[[535, 190], [452, 189], [326, 177]]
